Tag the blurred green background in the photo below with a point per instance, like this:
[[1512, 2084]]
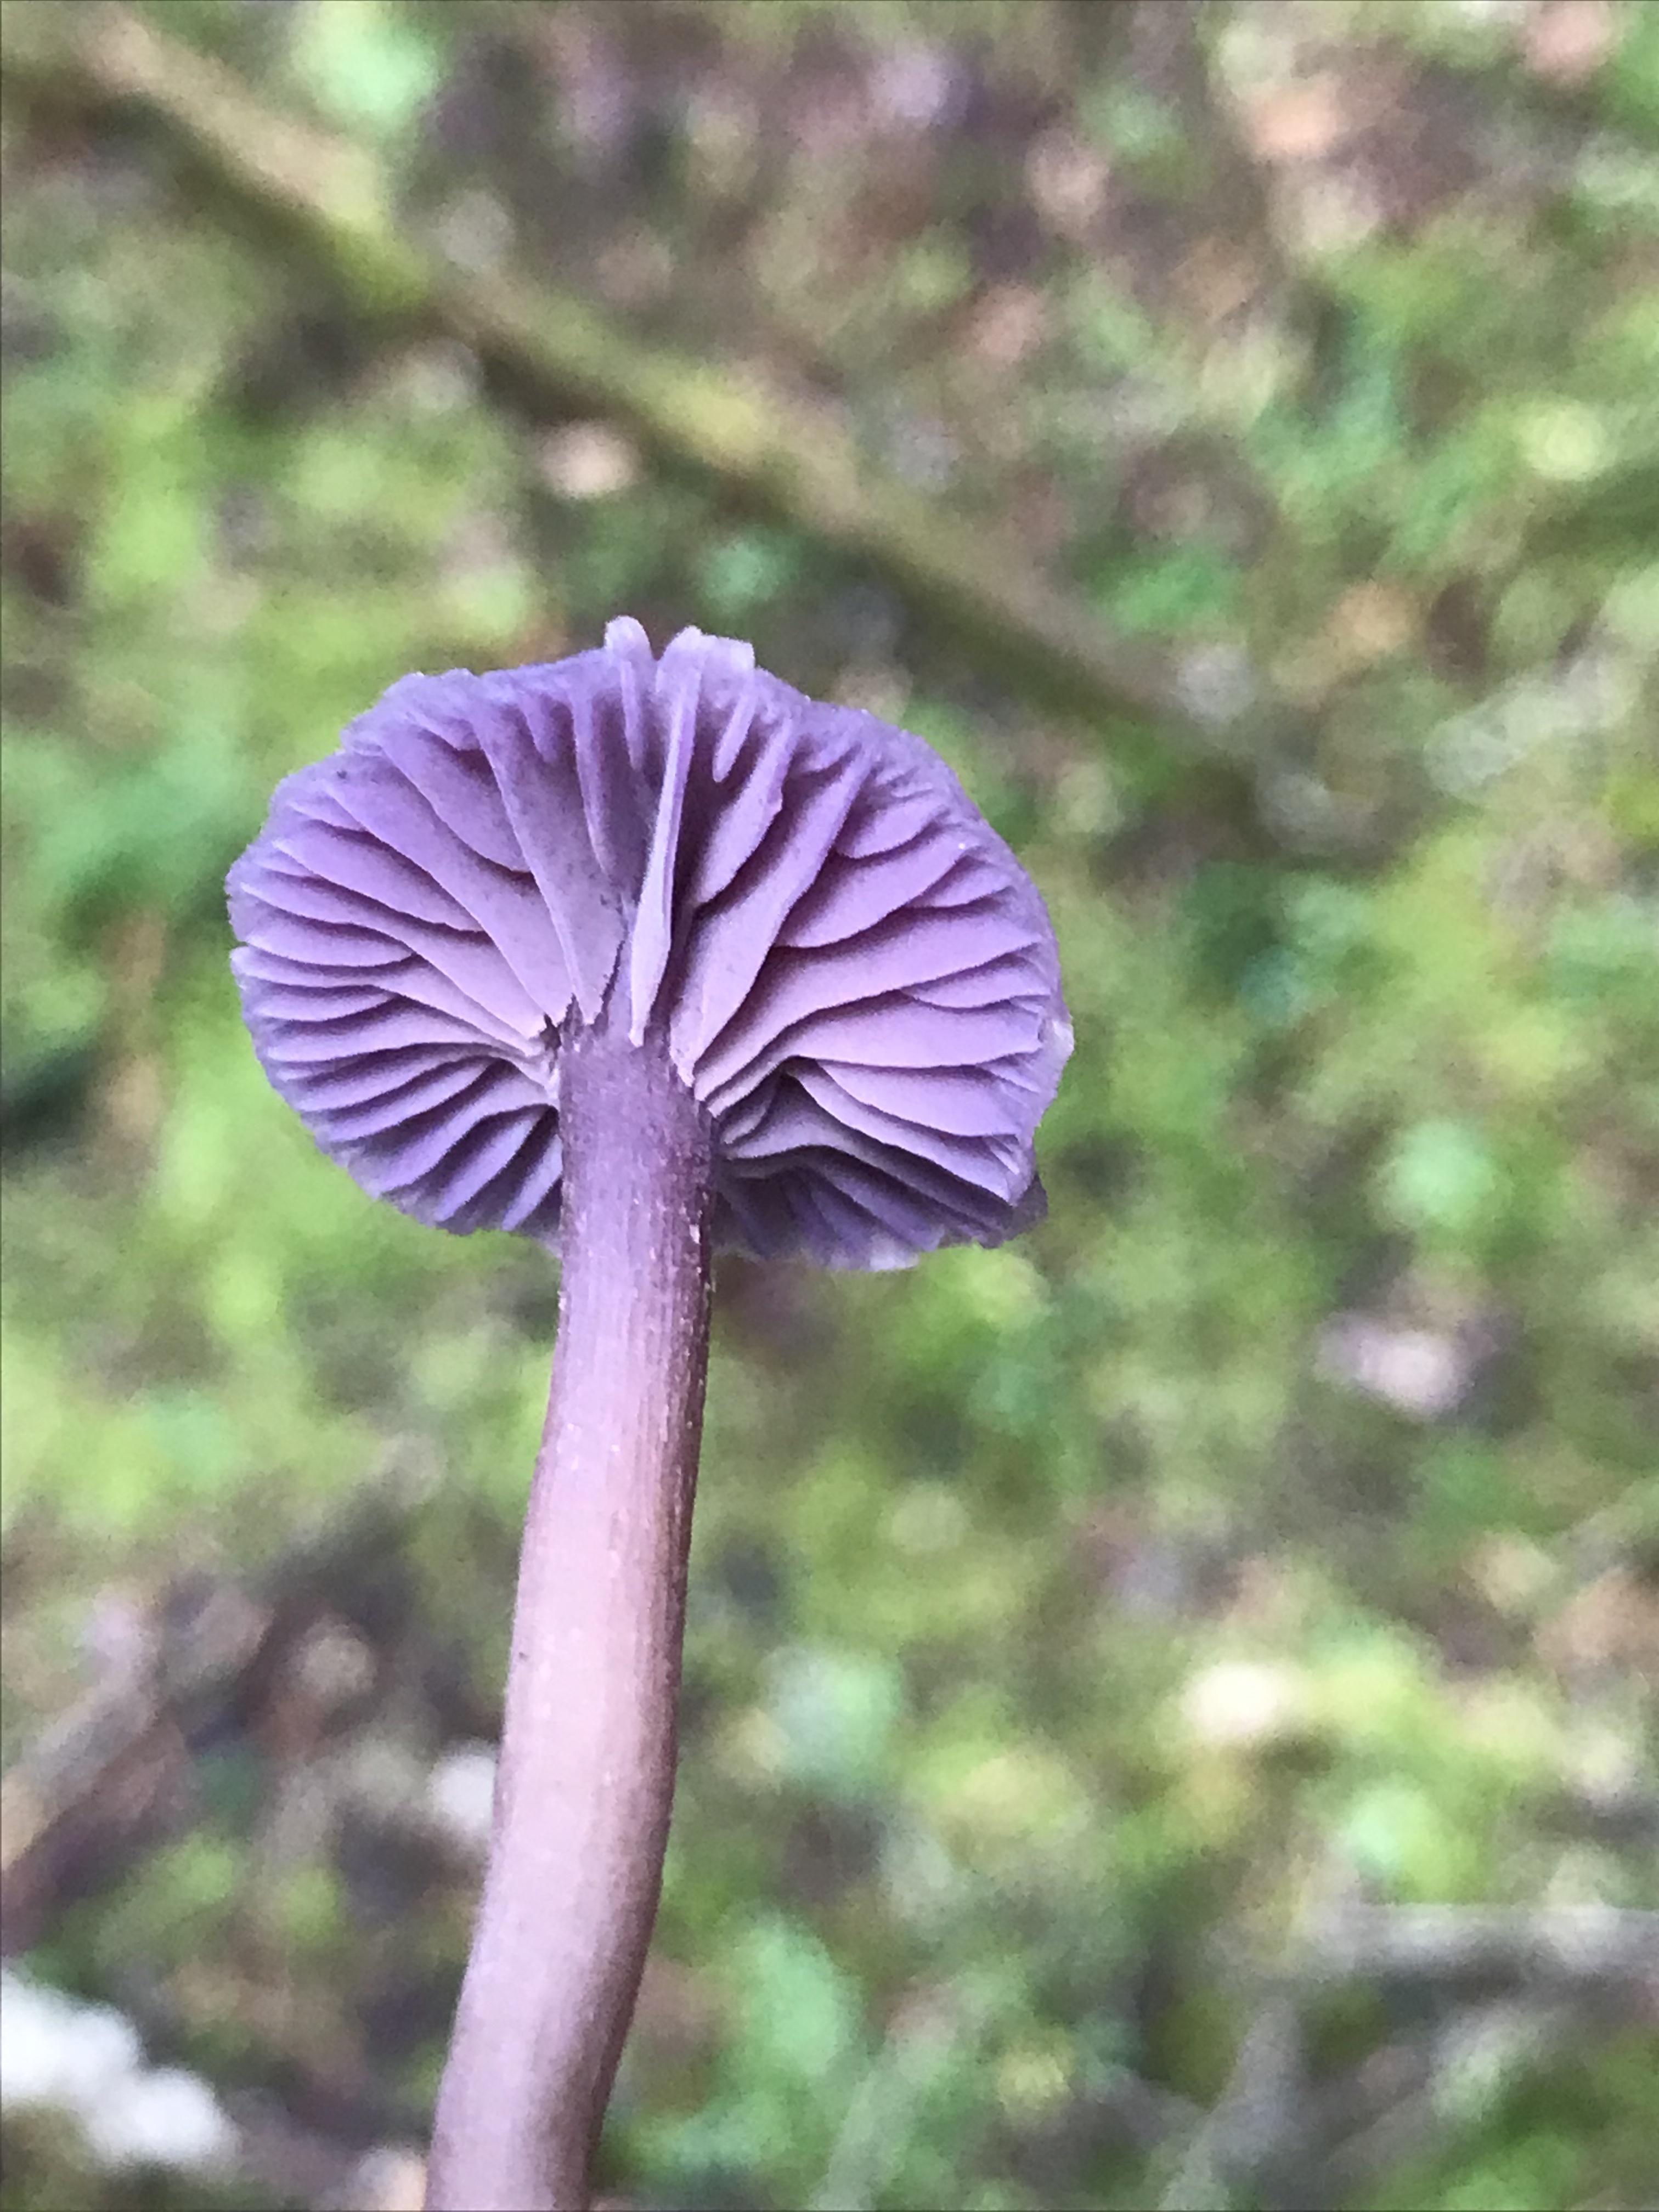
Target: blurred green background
[[1081, 1630]]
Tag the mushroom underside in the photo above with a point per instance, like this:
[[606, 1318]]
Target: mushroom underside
[[852, 973]]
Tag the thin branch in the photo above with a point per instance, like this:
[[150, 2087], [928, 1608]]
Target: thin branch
[[332, 203], [1557, 1948], [116, 1775], [1496, 1988]]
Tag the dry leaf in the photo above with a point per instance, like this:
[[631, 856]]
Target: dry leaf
[[1299, 122], [1568, 40]]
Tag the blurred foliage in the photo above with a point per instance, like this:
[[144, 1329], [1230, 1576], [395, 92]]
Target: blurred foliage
[[1064, 1619]]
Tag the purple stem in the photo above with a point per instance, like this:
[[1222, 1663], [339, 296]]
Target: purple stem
[[587, 1773]]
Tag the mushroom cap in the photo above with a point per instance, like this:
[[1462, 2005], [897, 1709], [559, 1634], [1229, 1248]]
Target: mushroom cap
[[848, 967]]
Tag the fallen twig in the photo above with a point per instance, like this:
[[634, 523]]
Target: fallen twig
[[1497, 1988], [1563, 1948], [330, 201], [115, 1775]]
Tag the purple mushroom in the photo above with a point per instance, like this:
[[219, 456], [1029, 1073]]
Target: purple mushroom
[[642, 958]]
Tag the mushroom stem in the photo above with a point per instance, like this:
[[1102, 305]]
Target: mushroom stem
[[587, 1773]]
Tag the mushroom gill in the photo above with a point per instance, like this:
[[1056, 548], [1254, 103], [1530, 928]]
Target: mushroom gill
[[849, 969]]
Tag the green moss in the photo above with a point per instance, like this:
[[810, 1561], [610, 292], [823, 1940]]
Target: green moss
[[1367, 1028]]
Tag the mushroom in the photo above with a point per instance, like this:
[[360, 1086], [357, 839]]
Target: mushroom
[[642, 958]]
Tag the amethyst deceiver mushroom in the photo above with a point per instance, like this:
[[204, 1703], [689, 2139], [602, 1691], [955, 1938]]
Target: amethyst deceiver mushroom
[[642, 958]]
